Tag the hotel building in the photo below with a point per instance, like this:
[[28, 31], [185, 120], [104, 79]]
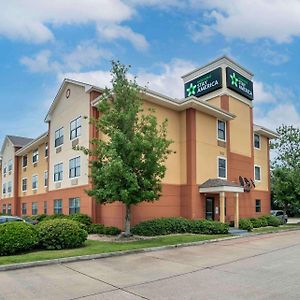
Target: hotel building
[[219, 169]]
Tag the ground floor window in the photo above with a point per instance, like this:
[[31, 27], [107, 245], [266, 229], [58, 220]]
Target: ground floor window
[[9, 209], [4, 209], [58, 206], [257, 205], [24, 209], [34, 210], [74, 205], [45, 207]]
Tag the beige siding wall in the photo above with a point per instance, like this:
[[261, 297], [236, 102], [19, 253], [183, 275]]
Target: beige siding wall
[[261, 159], [33, 169], [8, 154], [207, 147], [78, 104]]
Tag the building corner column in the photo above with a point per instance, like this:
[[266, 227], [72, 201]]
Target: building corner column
[[237, 211], [222, 207]]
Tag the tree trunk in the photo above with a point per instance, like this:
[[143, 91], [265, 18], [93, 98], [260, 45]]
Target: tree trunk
[[127, 220]]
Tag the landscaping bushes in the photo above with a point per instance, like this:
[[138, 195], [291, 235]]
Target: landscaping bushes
[[101, 229], [81, 218], [273, 221], [61, 234], [249, 224], [164, 226], [16, 237], [246, 224]]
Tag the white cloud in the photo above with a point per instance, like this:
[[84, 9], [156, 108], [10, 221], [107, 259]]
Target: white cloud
[[263, 93], [158, 3], [277, 20], [112, 32], [167, 82], [30, 19]]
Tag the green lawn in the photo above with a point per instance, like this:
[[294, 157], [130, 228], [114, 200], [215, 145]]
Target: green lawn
[[96, 247], [274, 229]]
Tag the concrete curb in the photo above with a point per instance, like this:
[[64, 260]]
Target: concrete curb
[[18, 266]]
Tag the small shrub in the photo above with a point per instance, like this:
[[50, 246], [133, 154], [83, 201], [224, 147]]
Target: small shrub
[[264, 221], [81, 218], [61, 234], [38, 218], [208, 227], [256, 223], [96, 229], [16, 237], [112, 230], [273, 221], [55, 216], [246, 224]]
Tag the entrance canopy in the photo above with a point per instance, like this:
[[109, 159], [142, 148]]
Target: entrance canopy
[[218, 185]]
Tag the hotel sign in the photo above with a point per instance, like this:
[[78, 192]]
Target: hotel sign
[[239, 83], [204, 84]]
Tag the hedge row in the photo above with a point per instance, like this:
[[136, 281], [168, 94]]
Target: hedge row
[[249, 224], [164, 226]]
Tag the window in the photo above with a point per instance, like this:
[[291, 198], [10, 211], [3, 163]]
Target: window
[[9, 209], [24, 161], [34, 182], [45, 178], [45, 207], [4, 170], [58, 172], [24, 184], [59, 137], [221, 130], [256, 141], [24, 209], [9, 187], [257, 205], [74, 205], [10, 165], [46, 150], [74, 169], [222, 173], [58, 207], [75, 128], [257, 173], [34, 208], [4, 188], [35, 156], [4, 209]]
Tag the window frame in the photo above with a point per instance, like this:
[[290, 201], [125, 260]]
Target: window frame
[[218, 167], [45, 207], [259, 141], [24, 160], [10, 165], [59, 141], [46, 179], [8, 209], [76, 129], [60, 178], [225, 132], [74, 205], [75, 168], [22, 185], [37, 182], [35, 156], [257, 207], [4, 209], [46, 150], [9, 187], [4, 190], [257, 166], [24, 205], [35, 209], [58, 207]]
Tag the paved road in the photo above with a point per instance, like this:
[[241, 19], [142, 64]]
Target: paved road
[[260, 267]]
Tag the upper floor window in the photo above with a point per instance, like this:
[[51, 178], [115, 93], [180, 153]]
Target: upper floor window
[[58, 172], [10, 165], [221, 130], [24, 184], [4, 169], [35, 156], [256, 141], [59, 137], [222, 167], [74, 205], [75, 128], [46, 150], [257, 173], [24, 161], [45, 178], [74, 170], [34, 182], [4, 188], [9, 187]]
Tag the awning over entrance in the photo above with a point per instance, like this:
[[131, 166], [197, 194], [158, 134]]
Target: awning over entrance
[[218, 185], [221, 187]]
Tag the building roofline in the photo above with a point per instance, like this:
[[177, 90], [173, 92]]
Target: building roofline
[[32, 144], [265, 131]]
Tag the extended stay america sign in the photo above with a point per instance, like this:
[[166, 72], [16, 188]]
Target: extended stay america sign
[[239, 83], [204, 84]]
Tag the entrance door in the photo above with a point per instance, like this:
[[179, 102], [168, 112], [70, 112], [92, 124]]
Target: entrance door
[[210, 209]]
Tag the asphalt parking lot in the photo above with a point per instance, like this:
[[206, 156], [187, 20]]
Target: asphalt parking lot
[[256, 267]]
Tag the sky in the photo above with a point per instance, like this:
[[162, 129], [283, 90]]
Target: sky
[[42, 42]]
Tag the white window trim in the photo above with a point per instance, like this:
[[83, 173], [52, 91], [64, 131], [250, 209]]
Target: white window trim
[[33, 175], [63, 129], [47, 150], [225, 158], [38, 155], [47, 178], [76, 177], [54, 173], [217, 130], [70, 128], [26, 184], [259, 141], [258, 166]]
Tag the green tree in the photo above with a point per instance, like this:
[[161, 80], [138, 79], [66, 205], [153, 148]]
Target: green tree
[[129, 164]]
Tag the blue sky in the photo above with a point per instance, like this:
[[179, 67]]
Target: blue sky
[[41, 42]]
